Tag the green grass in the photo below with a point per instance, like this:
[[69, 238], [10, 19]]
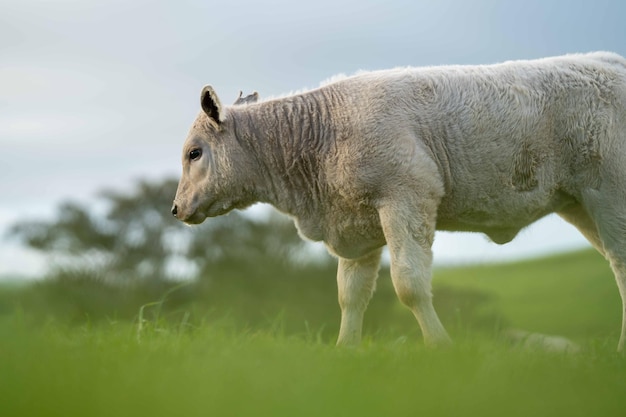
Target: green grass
[[221, 370], [574, 295], [199, 358]]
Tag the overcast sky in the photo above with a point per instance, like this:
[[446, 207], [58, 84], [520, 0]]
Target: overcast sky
[[96, 93]]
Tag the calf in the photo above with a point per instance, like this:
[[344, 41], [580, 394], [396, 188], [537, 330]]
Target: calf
[[387, 157]]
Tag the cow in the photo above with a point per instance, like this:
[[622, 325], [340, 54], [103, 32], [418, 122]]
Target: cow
[[388, 157]]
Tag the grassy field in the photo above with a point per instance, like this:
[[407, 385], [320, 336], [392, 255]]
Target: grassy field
[[223, 354]]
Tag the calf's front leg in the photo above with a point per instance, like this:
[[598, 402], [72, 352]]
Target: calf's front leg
[[356, 281], [409, 232]]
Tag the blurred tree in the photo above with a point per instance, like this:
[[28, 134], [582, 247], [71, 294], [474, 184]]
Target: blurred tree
[[132, 237]]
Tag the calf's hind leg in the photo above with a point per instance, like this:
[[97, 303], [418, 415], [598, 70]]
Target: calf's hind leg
[[607, 208], [578, 217]]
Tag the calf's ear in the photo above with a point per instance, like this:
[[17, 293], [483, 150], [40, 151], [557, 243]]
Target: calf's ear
[[249, 99], [211, 104]]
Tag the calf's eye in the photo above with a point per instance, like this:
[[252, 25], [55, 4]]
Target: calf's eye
[[195, 154]]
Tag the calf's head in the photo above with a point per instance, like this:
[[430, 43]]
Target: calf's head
[[218, 173]]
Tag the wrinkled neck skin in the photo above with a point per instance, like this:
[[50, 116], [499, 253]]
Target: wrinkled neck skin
[[290, 138]]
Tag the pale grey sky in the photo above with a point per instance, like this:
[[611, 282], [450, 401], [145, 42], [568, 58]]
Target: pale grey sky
[[96, 93]]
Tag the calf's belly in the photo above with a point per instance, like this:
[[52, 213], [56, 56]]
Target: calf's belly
[[499, 218]]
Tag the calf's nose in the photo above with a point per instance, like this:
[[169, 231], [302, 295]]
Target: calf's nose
[[174, 210]]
